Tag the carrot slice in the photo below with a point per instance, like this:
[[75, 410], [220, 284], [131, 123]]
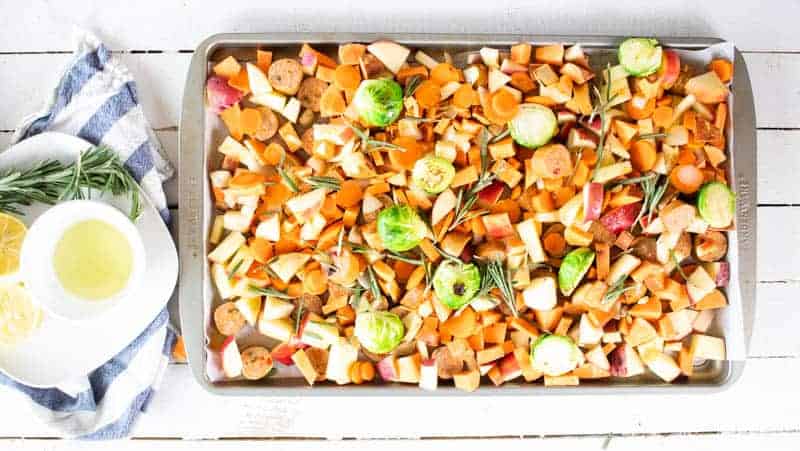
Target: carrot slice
[[721, 116], [315, 282], [723, 69], [240, 81], [493, 115], [275, 196], [251, 121], [428, 94], [504, 103], [405, 159], [263, 60], [465, 97], [349, 194], [245, 179], [262, 249], [640, 107], [444, 73], [686, 178], [407, 72], [346, 77], [507, 206], [662, 116], [643, 155], [232, 117], [554, 244], [273, 154]]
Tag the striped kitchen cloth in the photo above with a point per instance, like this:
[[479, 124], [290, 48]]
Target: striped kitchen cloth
[[96, 100]]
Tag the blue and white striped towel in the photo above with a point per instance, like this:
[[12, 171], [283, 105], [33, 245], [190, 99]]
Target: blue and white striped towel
[[96, 100]]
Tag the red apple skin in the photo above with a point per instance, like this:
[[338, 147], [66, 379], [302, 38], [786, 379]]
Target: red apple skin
[[509, 367], [283, 353], [592, 200], [621, 218], [498, 226], [491, 194], [723, 274], [566, 129], [221, 95], [617, 361], [386, 369], [671, 68]]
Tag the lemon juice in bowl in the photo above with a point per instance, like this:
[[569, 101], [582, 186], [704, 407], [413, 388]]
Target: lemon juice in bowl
[[93, 260]]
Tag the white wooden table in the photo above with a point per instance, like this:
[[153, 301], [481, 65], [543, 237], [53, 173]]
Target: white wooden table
[[156, 37]]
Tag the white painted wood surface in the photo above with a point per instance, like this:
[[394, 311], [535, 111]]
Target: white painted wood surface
[[155, 39]]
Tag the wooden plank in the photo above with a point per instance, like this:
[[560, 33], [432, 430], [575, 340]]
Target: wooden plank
[[684, 442], [777, 102], [159, 77], [182, 409], [776, 312], [177, 24], [778, 241]]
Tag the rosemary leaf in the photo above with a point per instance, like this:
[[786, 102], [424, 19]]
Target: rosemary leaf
[[287, 179], [329, 183], [403, 258], [412, 84], [616, 290], [235, 268], [501, 136], [299, 316], [374, 288], [501, 278], [270, 292], [651, 136]]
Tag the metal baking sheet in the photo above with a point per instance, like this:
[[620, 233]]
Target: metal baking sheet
[[199, 137]]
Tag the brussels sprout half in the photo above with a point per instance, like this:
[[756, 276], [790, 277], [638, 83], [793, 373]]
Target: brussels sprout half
[[379, 102], [379, 332], [456, 284], [400, 228], [573, 268], [433, 174]]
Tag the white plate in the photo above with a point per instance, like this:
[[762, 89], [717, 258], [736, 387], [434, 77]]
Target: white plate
[[60, 350]]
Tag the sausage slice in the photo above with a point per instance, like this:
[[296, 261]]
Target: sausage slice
[[285, 75], [269, 125], [228, 319], [310, 93], [256, 362]]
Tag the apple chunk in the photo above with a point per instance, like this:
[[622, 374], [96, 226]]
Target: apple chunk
[[391, 54], [231, 358], [707, 88]]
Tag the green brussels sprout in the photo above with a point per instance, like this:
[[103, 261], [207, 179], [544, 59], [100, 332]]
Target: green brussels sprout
[[379, 102], [400, 228], [456, 284], [573, 268], [379, 332], [533, 126], [433, 174], [555, 355]]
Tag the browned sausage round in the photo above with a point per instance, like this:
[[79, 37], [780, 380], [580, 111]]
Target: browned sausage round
[[228, 319], [269, 124], [710, 246], [256, 362], [285, 75], [311, 303], [645, 248], [552, 161], [310, 93]]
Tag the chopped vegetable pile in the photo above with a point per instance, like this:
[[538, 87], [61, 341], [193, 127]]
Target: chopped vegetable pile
[[502, 215]]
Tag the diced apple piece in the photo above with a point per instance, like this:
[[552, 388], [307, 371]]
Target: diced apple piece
[[275, 308], [719, 271], [575, 54], [592, 201], [620, 218], [590, 371], [221, 280], [498, 225], [444, 204], [623, 267], [468, 381], [661, 364], [580, 138], [588, 333], [625, 361], [530, 236], [490, 57], [597, 357], [707, 88], [340, 357], [307, 205], [338, 134], [699, 284], [291, 110], [225, 250], [425, 59], [676, 325], [387, 368], [313, 227], [287, 265], [707, 347], [231, 358], [279, 329], [408, 369], [671, 68], [541, 294], [300, 358], [269, 228], [641, 331], [497, 79], [554, 94], [612, 171], [428, 375], [550, 54], [238, 221], [250, 308], [272, 100], [391, 54], [577, 73], [491, 194], [319, 334], [259, 84]]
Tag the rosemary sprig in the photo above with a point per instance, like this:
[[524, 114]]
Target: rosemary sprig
[[50, 181], [651, 136], [358, 248], [403, 258], [270, 292], [616, 290], [631, 181], [677, 264], [447, 255], [602, 107], [423, 119], [299, 316], [329, 183], [373, 284], [501, 136], [428, 274], [374, 144], [235, 268], [355, 300], [412, 84], [287, 179], [465, 202], [501, 278], [653, 192]]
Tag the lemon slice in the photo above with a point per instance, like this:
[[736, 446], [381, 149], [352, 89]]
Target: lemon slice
[[12, 232], [18, 314]]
